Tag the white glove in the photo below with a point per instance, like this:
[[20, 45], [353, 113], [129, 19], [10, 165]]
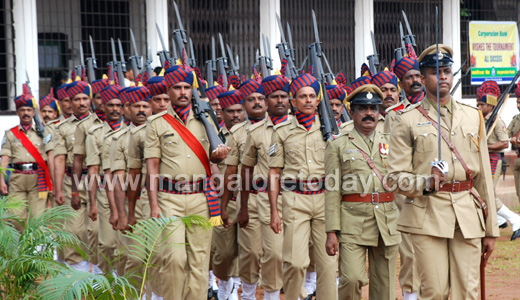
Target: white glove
[[442, 165]]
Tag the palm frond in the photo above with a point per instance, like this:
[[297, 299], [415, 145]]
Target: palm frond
[[71, 285]]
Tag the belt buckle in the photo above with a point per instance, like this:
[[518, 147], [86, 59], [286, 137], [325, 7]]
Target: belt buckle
[[185, 187], [27, 167], [311, 186], [455, 184], [374, 197]]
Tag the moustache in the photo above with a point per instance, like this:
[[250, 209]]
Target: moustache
[[368, 118], [416, 84], [82, 106], [26, 116], [257, 106], [389, 98], [141, 114], [235, 119], [335, 112], [183, 97], [115, 113]]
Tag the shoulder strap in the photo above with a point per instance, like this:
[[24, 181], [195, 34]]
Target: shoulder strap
[[191, 140], [34, 153], [374, 168], [447, 140]]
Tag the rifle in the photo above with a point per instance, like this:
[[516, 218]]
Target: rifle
[[199, 107], [454, 89], [135, 61], [329, 126], [286, 52], [345, 117], [117, 65], [234, 65], [164, 55], [222, 63], [38, 124], [265, 61], [410, 38], [91, 63], [148, 63], [373, 59], [211, 64], [497, 111]]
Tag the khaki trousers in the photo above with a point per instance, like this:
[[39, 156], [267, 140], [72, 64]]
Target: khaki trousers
[[382, 262], [304, 220], [271, 261], [516, 173], [225, 258], [250, 246], [446, 264], [107, 259], [496, 178], [25, 187], [408, 273], [184, 258]]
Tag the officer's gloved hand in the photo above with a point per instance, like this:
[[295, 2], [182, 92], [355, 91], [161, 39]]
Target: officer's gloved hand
[[438, 174]]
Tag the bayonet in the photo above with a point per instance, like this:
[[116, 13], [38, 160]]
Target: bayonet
[[211, 65], [132, 38], [410, 34], [174, 53], [117, 64], [164, 55], [291, 47], [179, 21], [401, 32], [327, 64], [223, 51], [303, 63], [81, 56], [316, 35], [222, 62], [91, 62], [233, 65], [192, 61], [237, 61], [135, 61], [281, 29], [373, 59], [437, 69], [213, 50], [122, 55]]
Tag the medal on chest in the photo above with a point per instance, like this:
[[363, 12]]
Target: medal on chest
[[383, 148]]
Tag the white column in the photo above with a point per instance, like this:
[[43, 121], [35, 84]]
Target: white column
[[26, 46], [268, 27], [451, 36], [364, 20], [157, 13]]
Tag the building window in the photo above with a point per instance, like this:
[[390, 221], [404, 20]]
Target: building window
[[7, 71]]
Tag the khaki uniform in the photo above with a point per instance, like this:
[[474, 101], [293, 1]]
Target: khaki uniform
[[82, 226], [183, 267], [349, 126], [256, 155], [512, 129], [499, 134], [361, 227], [225, 258], [94, 146], [408, 273], [391, 114], [446, 227], [301, 154], [24, 186]]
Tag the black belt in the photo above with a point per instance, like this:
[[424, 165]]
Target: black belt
[[24, 166]]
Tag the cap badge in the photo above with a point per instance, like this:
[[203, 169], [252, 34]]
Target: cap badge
[[369, 96], [440, 55]]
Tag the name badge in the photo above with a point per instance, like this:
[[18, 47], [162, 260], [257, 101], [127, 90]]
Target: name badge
[[348, 151], [424, 123]]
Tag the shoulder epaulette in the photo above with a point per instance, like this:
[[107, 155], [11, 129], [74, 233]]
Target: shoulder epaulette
[[258, 124], [136, 129], [237, 126], [282, 124], [52, 122], [395, 107], [64, 122], [120, 133], [156, 116], [409, 108], [94, 128], [467, 105]]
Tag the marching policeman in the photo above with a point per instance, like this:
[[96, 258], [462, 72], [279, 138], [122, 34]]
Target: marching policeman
[[177, 153], [297, 155], [362, 218], [513, 130], [450, 207]]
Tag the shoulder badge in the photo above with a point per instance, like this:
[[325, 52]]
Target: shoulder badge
[[282, 124], [237, 126], [272, 149], [47, 139], [136, 129], [94, 128]]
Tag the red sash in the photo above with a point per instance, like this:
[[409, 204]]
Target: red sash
[[38, 157], [196, 147]]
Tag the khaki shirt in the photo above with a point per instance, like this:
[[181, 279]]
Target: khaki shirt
[[97, 146], [349, 126], [236, 142], [222, 165], [257, 145], [299, 152], [514, 126], [359, 223], [499, 133], [12, 146], [413, 144], [64, 139], [118, 149], [177, 160], [80, 135], [136, 141], [50, 128], [391, 114]]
